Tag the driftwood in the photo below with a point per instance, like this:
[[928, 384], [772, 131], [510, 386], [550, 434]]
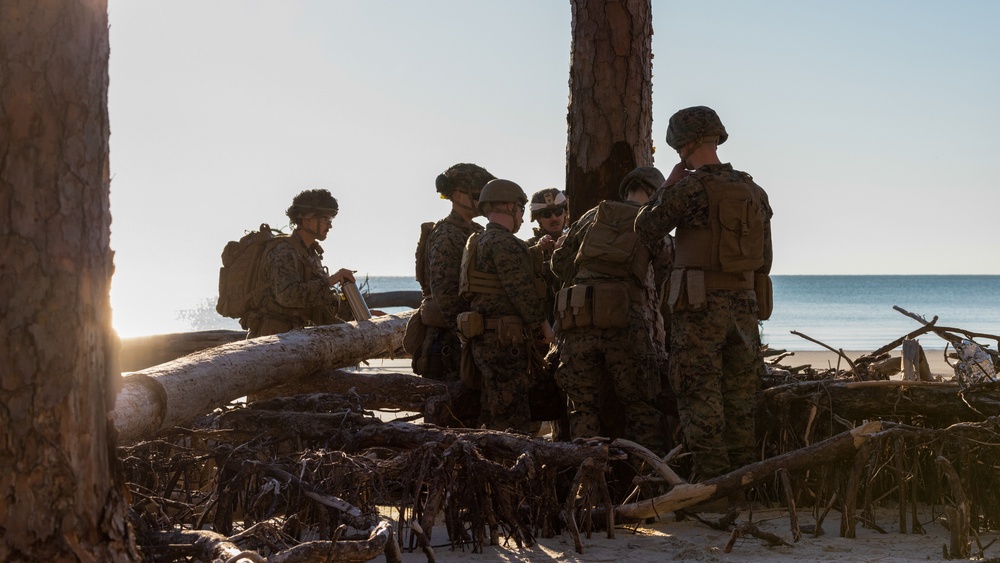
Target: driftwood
[[169, 394], [386, 391], [840, 446], [887, 399], [145, 351], [141, 352]]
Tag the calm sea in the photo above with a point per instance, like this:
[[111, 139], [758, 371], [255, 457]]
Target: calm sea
[[855, 312]]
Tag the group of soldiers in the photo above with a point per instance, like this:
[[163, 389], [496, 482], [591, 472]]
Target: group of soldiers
[[585, 304]]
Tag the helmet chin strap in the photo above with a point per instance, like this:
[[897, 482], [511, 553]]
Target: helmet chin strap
[[468, 194]]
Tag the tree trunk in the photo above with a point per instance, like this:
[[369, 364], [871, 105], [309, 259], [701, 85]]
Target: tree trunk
[[59, 485], [610, 110], [172, 393]]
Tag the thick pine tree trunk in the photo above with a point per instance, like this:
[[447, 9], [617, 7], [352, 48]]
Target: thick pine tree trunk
[[60, 494], [610, 110]]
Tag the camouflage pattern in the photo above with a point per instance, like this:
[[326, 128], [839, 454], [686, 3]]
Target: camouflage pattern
[[649, 177], [312, 201], [542, 263], [466, 177], [692, 123], [298, 294], [445, 245], [506, 380], [628, 356], [715, 356], [715, 370]]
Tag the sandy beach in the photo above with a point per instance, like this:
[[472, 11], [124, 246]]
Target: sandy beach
[[686, 539]]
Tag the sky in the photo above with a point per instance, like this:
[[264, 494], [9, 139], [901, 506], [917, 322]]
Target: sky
[[870, 123]]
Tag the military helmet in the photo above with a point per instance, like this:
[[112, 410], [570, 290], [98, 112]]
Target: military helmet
[[469, 178], [549, 198], [691, 124], [319, 202], [647, 176], [501, 191]]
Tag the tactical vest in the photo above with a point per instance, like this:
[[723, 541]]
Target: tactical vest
[[611, 248], [471, 280], [309, 269], [731, 248]]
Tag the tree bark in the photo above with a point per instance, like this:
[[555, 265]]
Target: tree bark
[[163, 396], [60, 489], [610, 110]]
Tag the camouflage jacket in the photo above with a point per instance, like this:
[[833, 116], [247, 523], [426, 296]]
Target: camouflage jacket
[[542, 263], [445, 245], [685, 204], [297, 282], [500, 252]]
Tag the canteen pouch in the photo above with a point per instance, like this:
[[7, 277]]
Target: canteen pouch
[[510, 330], [764, 291], [470, 324], [431, 314], [611, 304]]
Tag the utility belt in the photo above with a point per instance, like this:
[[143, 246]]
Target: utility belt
[[509, 330], [601, 304], [689, 287]]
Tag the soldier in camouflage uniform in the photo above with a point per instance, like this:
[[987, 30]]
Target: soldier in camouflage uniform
[[500, 280], [445, 243], [624, 350], [300, 290], [723, 252], [549, 208]]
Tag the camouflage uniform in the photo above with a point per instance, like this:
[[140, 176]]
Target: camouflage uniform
[[543, 260], [445, 245], [628, 356], [505, 366], [715, 356], [297, 294]]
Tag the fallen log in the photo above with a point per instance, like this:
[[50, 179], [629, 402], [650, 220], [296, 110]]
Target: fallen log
[[173, 393], [141, 352], [886, 399], [401, 391], [837, 447], [394, 299]]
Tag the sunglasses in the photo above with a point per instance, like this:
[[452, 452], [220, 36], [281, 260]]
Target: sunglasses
[[548, 213]]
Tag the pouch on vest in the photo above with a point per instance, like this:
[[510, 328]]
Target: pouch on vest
[[413, 338], [695, 289], [470, 324], [611, 304], [580, 306], [510, 330], [564, 315], [430, 313], [765, 296], [741, 237]]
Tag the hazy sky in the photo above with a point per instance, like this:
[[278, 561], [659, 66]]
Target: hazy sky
[[871, 124]]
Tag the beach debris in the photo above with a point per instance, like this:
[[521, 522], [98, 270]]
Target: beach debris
[[974, 366]]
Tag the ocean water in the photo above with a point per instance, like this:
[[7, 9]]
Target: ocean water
[[855, 312]]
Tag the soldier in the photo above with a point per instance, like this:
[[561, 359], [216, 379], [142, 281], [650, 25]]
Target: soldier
[[506, 311], [439, 257], [299, 290], [606, 312], [549, 208], [723, 255]]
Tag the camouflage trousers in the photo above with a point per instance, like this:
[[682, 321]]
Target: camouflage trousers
[[505, 384], [715, 370], [590, 356]]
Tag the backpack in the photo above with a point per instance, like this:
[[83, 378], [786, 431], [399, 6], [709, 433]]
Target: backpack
[[421, 258], [610, 244], [240, 285]]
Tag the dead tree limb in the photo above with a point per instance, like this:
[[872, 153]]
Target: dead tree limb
[[837, 447]]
